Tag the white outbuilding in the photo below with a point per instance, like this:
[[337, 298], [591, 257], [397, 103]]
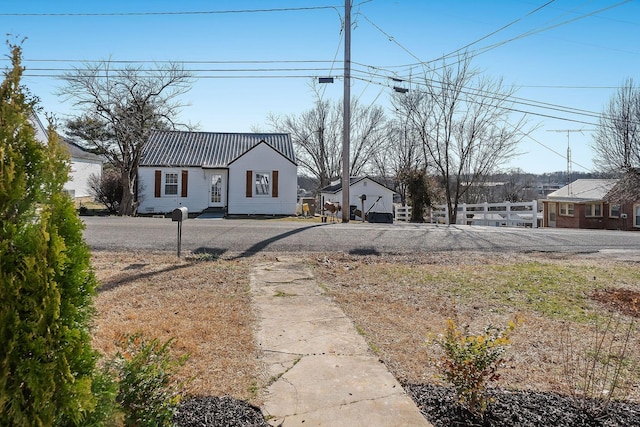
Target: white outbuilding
[[367, 197]]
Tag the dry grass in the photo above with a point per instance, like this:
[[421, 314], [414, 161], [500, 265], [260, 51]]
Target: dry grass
[[203, 304], [397, 302]]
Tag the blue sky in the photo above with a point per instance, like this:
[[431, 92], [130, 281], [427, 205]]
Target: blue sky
[[566, 55]]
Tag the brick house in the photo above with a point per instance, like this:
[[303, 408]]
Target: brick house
[[605, 204]]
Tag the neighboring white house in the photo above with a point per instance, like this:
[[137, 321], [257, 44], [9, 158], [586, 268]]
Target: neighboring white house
[[377, 198], [83, 164], [233, 173]]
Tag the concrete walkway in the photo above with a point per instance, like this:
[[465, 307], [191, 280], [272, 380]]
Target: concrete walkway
[[320, 371]]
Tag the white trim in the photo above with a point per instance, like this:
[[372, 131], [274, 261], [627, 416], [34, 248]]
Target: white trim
[[268, 184], [611, 209], [590, 211], [164, 184]]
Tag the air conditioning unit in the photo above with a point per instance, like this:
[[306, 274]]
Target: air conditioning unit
[[623, 215]]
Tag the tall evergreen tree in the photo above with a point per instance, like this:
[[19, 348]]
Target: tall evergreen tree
[[46, 284]]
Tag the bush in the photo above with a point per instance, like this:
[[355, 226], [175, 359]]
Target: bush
[[471, 361], [601, 371], [47, 364], [148, 393], [107, 189]]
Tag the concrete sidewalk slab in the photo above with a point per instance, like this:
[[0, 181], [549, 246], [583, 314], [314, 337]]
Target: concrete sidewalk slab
[[320, 371]]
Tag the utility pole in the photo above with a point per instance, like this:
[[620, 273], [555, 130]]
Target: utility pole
[[568, 131], [346, 126]]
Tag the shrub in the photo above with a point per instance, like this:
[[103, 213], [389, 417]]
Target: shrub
[[148, 393], [107, 189], [471, 361], [47, 364], [600, 371]]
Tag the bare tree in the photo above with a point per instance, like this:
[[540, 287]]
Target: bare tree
[[399, 155], [616, 142], [461, 119], [518, 187], [119, 109], [106, 188], [317, 136]]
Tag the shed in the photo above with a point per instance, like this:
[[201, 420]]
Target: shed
[[365, 195]]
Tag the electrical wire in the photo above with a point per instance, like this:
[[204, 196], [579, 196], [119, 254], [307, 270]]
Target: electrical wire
[[504, 27], [208, 12]]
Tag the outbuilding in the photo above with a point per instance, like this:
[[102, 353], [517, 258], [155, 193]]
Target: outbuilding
[[368, 198]]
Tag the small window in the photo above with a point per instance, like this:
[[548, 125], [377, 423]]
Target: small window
[[614, 211], [636, 215], [262, 184], [593, 210], [171, 184], [566, 209]]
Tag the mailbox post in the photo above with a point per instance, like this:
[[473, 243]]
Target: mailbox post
[[179, 215]]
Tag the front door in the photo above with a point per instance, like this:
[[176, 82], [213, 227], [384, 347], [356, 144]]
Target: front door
[[552, 214], [216, 191]]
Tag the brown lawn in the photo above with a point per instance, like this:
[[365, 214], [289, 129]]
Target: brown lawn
[[397, 303]]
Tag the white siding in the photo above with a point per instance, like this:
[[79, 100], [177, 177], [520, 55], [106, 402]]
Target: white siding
[[81, 171], [372, 189], [198, 189], [262, 158]]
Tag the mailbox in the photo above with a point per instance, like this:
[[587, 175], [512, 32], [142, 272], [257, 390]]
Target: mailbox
[[179, 214]]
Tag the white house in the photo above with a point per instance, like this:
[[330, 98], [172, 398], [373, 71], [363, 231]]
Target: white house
[[364, 192], [230, 173], [83, 164]]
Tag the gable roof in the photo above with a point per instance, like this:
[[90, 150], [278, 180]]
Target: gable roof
[[77, 152], [208, 149], [337, 187], [584, 190]]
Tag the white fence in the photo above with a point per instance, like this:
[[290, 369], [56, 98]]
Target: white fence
[[402, 212], [492, 214]]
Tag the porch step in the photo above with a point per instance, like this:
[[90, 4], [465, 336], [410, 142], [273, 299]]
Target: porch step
[[214, 210], [212, 213]]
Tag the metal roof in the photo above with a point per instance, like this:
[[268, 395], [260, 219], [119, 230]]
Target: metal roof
[[584, 190], [77, 152], [336, 187], [208, 149]]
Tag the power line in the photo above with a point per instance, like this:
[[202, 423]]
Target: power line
[[313, 72], [207, 12], [149, 61], [498, 30], [531, 32]]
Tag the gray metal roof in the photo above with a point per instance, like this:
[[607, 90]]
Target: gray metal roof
[[584, 190], [77, 152], [337, 186], [208, 149]]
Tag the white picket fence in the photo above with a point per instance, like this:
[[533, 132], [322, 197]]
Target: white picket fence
[[504, 214]]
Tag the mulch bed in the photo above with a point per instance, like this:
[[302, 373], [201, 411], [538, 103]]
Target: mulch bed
[[518, 409], [219, 412], [437, 404]]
